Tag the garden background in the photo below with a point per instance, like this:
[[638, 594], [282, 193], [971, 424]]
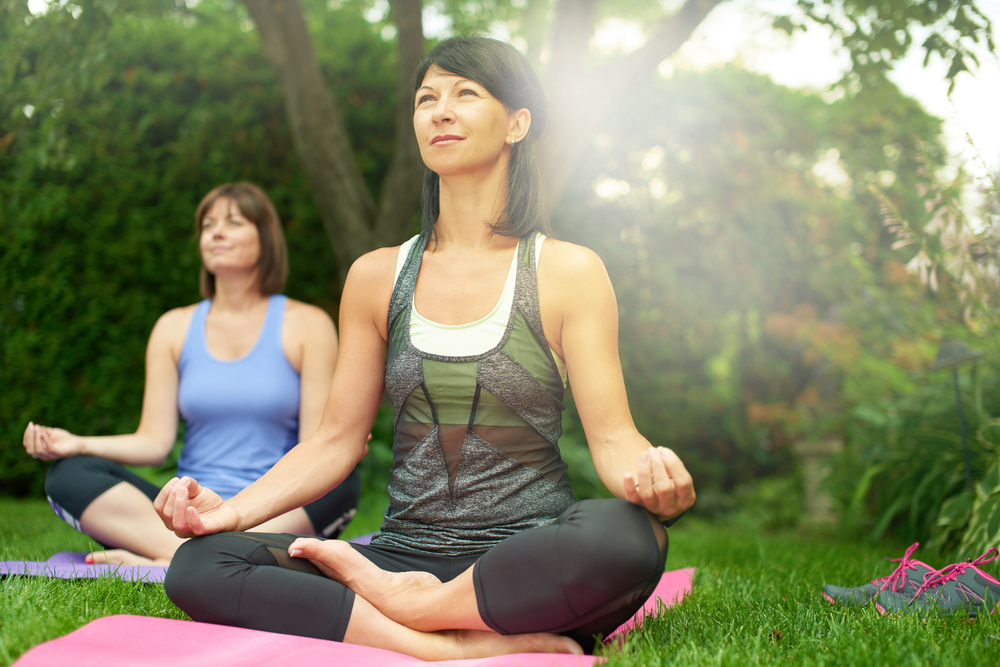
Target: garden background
[[787, 262]]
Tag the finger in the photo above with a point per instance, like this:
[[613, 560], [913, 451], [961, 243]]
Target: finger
[[295, 549], [29, 439], [45, 449], [630, 484], [37, 445], [663, 484], [683, 483], [192, 485], [195, 524], [661, 475], [161, 501], [179, 514], [645, 480]]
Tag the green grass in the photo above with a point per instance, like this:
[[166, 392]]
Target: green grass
[[756, 601]]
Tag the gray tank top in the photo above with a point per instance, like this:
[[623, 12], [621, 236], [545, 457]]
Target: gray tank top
[[475, 456]]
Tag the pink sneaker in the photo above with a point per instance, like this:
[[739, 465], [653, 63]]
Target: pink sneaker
[[905, 579], [950, 589]]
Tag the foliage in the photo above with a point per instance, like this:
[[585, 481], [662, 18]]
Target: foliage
[[876, 34], [951, 246], [909, 473], [759, 299], [99, 182], [921, 473]]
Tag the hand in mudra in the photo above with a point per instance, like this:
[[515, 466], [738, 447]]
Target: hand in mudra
[[189, 509], [48, 444], [661, 483]]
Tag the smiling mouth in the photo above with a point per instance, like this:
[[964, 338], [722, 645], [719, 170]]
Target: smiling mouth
[[445, 137]]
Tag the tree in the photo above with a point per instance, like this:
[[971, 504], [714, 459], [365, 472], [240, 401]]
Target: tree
[[583, 88], [582, 91]]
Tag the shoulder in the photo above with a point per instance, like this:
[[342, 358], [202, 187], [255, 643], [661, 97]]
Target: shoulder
[[174, 323], [306, 315], [170, 331], [564, 262], [307, 321], [373, 271], [368, 290]]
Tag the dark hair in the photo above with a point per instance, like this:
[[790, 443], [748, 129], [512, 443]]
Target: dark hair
[[256, 206], [506, 74]]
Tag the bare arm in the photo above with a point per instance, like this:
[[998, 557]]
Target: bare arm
[[310, 342], [157, 431], [581, 320], [323, 460]]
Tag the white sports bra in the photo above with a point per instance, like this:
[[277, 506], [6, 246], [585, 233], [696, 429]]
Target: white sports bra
[[462, 340]]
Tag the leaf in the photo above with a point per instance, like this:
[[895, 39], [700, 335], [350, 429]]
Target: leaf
[[955, 511], [887, 517], [990, 484]]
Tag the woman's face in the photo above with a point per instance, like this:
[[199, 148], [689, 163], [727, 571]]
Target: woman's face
[[229, 241], [460, 127]]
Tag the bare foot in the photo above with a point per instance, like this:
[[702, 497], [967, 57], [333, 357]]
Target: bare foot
[[482, 644], [392, 593], [123, 557]]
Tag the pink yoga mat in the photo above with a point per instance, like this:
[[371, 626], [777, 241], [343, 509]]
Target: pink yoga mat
[[141, 641]]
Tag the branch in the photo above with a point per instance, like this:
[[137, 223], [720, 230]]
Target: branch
[[670, 36], [576, 112]]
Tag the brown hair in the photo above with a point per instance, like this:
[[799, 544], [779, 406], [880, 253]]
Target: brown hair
[[256, 206]]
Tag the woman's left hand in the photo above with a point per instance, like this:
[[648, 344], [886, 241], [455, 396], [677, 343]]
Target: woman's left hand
[[661, 483]]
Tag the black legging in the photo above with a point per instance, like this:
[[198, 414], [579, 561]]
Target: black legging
[[583, 575], [71, 484]]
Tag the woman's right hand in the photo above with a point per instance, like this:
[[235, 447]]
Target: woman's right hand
[[48, 444], [189, 509]]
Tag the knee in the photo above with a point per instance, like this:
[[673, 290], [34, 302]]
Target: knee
[[57, 475], [193, 576], [620, 536], [66, 480]]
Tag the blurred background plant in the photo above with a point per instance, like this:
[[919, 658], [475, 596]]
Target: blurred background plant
[[913, 475]]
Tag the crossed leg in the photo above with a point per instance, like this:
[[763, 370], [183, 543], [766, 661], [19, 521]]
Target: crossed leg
[[418, 600], [584, 575], [248, 580]]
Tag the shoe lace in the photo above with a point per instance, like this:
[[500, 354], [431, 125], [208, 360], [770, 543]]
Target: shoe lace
[[897, 579], [951, 572]]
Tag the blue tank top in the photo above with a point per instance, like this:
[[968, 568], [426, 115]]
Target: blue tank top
[[240, 416]]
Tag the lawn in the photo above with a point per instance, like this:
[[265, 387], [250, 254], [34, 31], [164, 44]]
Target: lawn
[[756, 600]]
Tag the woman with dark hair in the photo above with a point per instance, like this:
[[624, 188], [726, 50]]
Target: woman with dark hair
[[249, 371], [472, 328]]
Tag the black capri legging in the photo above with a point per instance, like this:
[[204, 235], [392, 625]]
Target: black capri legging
[[73, 483], [583, 575]]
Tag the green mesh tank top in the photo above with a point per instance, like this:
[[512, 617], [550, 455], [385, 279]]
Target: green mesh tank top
[[475, 454]]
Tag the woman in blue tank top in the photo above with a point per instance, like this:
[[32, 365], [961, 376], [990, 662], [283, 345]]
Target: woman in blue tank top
[[248, 370], [482, 538]]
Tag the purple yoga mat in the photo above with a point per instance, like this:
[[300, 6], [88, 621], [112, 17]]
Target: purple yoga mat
[[140, 641], [71, 565]]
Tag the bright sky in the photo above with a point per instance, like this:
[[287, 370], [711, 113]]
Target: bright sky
[[738, 30]]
